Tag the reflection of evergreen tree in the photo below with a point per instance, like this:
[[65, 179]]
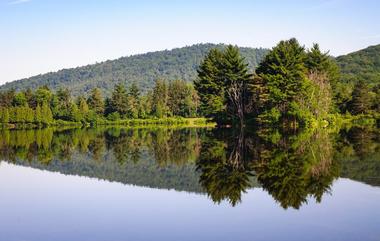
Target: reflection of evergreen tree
[[290, 167], [225, 173], [297, 167]]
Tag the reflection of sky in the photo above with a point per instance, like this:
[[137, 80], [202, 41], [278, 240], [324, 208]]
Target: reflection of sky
[[41, 205]]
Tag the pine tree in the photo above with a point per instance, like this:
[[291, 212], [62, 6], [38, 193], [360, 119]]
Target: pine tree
[[283, 73], [133, 101], [160, 99], [4, 115], [38, 115], [119, 100], [210, 87], [95, 101], [47, 115], [361, 100], [236, 77]]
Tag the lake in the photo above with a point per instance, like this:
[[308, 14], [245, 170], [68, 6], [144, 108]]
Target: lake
[[189, 184]]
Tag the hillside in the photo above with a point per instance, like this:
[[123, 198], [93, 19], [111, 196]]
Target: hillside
[[361, 65], [144, 69]]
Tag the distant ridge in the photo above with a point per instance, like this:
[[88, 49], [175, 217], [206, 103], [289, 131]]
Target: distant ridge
[[361, 65], [144, 69]]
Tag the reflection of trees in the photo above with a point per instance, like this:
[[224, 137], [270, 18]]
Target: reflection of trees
[[291, 168], [358, 151], [117, 154], [168, 146], [225, 172], [297, 167]]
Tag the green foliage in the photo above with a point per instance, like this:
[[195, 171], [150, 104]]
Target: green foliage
[[361, 100], [222, 85], [144, 69], [95, 101], [160, 106], [119, 100], [20, 100], [361, 66]]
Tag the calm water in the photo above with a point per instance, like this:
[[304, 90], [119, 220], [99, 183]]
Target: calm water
[[189, 184]]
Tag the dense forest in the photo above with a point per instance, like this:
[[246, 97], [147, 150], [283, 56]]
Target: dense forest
[[288, 85], [292, 86], [43, 107], [144, 70]]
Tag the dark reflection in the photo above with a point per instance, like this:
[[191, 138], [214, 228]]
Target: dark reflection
[[225, 166], [358, 151], [292, 167]]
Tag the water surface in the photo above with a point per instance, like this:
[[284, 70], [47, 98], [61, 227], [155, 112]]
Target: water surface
[[189, 184]]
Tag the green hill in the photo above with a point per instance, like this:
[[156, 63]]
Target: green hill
[[361, 65], [144, 69]]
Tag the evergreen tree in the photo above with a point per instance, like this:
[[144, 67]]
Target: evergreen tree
[[146, 104], [160, 99], [119, 100], [95, 101], [46, 114], [20, 99], [30, 98], [236, 77], [38, 117], [6, 98], [210, 87], [42, 95], [222, 85], [283, 74], [4, 114], [376, 103], [361, 100], [133, 101]]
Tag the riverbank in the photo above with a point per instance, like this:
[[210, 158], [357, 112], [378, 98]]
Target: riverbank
[[171, 121]]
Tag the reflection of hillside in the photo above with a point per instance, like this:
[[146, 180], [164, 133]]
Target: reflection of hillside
[[155, 158], [292, 168], [358, 151]]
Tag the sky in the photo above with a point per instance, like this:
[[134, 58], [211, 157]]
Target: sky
[[39, 36]]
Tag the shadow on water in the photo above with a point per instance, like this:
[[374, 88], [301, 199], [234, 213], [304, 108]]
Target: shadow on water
[[292, 167]]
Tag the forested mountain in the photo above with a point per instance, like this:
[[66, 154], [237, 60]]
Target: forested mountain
[[361, 65], [144, 69]]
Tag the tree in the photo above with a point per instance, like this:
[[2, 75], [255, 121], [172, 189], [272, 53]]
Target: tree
[[20, 100], [38, 117], [6, 98], [376, 103], [361, 100], [133, 101], [47, 115], [160, 99], [236, 77], [209, 85], [30, 98], [222, 85], [119, 100], [4, 115], [95, 101], [42, 95], [83, 108], [146, 105], [283, 75]]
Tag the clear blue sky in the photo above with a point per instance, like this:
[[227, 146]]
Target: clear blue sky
[[38, 36]]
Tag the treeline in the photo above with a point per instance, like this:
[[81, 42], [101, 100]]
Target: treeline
[[144, 69], [167, 99], [292, 86]]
